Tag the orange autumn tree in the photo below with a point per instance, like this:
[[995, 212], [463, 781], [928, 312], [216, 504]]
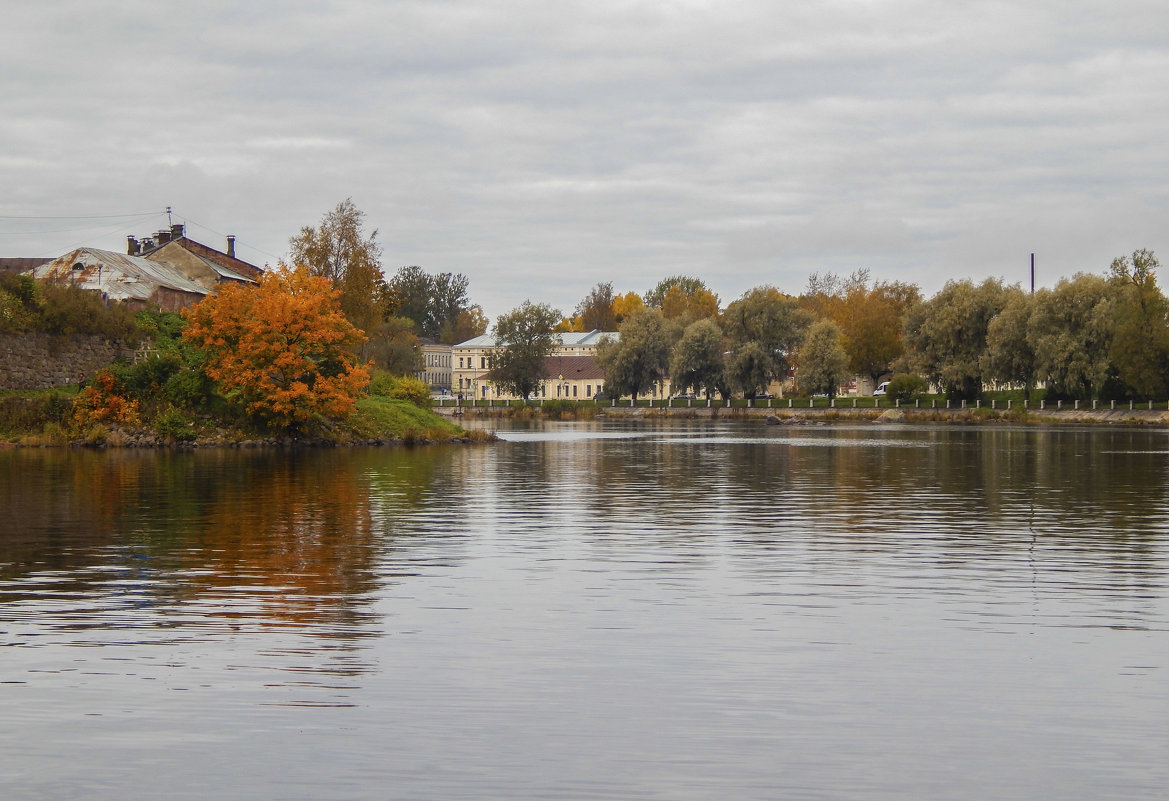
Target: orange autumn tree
[[283, 348]]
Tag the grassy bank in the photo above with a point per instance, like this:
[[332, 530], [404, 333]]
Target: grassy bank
[[42, 418]]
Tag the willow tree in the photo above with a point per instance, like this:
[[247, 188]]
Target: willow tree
[[638, 360], [946, 335], [765, 328], [1140, 339]]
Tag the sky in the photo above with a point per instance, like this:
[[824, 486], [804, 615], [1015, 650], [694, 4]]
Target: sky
[[542, 147]]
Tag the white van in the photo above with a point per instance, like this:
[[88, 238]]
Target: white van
[[879, 392]]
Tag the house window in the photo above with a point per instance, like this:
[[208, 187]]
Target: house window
[[588, 390], [574, 390], [483, 362]]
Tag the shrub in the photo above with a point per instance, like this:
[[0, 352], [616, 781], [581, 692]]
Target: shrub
[[905, 387], [69, 310], [190, 387], [147, 378], [403, 387], [104, 400], [172, 424]]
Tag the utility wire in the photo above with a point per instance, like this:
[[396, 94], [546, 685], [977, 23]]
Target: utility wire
[[80, 216]]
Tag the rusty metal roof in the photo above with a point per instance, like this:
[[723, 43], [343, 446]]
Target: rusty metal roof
[[119, 276]]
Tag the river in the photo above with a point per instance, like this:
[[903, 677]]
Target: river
[[600, 610]]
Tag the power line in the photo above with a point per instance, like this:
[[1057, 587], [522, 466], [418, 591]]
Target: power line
[[80, 216]]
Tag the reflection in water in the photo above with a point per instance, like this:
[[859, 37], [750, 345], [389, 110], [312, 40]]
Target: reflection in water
[[623, 610]]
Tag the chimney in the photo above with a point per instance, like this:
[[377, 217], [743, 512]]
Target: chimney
[[132, 246], [231, 245], [176, 231], [163, 237]]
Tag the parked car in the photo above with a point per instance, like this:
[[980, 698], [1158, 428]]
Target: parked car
[[685, 396], [764, 396], [879, 392]]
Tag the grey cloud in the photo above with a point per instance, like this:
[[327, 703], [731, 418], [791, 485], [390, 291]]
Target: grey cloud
[[543, 147]]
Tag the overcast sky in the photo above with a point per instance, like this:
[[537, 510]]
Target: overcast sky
[[542, 147]]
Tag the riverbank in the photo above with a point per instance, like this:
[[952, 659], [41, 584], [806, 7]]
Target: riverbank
[[376, 421], [820, 415]]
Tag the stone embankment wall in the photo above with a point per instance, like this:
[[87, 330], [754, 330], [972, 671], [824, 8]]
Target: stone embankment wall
[[42, 361]]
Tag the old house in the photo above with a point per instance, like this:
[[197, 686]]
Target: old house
[[137, 281], [202, 264]]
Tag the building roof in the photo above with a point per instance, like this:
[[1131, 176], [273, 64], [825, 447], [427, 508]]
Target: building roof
[[225, 264], [568, 339], [119, 276], [569, 368], [20, 265]]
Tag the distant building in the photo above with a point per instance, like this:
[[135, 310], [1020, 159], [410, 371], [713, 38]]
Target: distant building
[[436, 364], [570, 372]]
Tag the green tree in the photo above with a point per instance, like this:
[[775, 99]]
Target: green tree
[[338, 249], [1140, 340], [433, 301], [823, 362], [946, 335], [640, 357], [393, 347], [525, 338], [1071, 332], [749, 368], [686, 284], [1010, 357], [698, 358], [771, 321]]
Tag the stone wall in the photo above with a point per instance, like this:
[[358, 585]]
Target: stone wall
[[41, 361]]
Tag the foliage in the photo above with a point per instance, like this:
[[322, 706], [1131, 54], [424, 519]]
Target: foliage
[[525, 338], [394, 348], [147, 378], [282, 349], [823, 362], [765, 328], [104, 401], [625, 306], [686, 284], [62, 309], [470, 323], [31, 410], [905, 387], [164, 328], [698, 358], [749, 368], [405, 388], [436, 303], [338, 249], [595, 311], [1070, 332], [1010, 355], [947, 335], [640, 357], [171, 423], [1140, 338]]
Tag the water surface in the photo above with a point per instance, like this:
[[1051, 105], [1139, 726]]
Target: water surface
[[684, 610]]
